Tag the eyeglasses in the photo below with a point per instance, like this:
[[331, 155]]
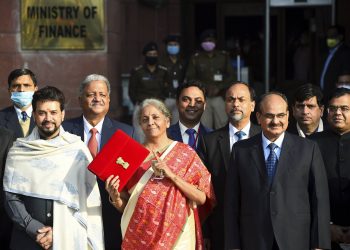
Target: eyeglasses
[[270, 116], [334, 109]]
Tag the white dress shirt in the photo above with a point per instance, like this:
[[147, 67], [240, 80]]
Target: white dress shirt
[[185, 136], [87, 134], [233, 136]]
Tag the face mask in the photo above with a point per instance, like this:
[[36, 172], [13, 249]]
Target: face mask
[[331, 42], [22, 99], [151, 60], [208, 46], [173, 49]]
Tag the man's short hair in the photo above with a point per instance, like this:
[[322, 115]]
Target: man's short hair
[[339, 92], [20, 72], [340, 29], [250, 88], [48, 93], [93, 77], [262, 97], [193, 83], [307, 91]]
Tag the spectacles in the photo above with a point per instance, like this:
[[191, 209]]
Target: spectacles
[[273, 116], [334, 109]]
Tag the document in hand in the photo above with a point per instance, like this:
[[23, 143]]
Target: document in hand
[[121, 156]]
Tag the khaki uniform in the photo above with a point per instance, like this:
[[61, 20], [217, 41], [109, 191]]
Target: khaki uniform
[[146, 84], [176, 73], [216, 73]]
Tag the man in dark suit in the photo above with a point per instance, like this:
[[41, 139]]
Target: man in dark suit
[[335, 148], [336, 60], [307, 111], [190, 101], [216, 149], [276, 193], [6, 139], [94, 124], [21, 85]]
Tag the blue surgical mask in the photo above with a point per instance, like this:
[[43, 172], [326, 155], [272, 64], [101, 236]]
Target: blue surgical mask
[[22, 99], [173, 49]]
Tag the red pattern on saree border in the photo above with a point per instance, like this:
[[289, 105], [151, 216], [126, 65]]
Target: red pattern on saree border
[[162, 210]]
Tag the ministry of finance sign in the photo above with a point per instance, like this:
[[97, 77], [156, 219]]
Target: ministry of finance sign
[[62, 24]]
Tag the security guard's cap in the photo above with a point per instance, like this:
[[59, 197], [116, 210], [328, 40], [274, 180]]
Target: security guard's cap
[[208, 34], [172, 38], [149, 47]]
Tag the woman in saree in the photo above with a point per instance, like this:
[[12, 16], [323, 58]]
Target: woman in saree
[[161, 213]]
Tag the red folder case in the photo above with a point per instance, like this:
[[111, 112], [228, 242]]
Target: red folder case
[[121, 156]]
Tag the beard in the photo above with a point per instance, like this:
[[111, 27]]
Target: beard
[[236, 117], [45, 132]]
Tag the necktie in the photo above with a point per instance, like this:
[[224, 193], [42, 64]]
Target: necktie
[[191, 139], [271, 162], [93, 144], [240, 135], [24, 116]]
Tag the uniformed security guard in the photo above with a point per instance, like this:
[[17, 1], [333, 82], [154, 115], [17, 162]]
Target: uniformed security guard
[[213, 68], [150, 80], [175, 64]]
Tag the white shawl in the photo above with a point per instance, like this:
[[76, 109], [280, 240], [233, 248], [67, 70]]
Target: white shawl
[[56, 169]]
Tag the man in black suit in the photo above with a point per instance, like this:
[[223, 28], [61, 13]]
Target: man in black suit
[[6, 139], [335, 61], [335, 148], [22, 84], [307, 111], [276, 193], [190, 101], [216, 148], [94, 98]]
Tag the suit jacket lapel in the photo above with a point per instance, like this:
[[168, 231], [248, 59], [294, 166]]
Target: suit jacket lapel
[[107, 131], [257, 155], [78, 128], [224, 144], [13, 123], [177, 132], [284, 161]]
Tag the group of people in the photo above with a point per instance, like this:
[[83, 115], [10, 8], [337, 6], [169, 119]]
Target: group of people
[[282, 183]]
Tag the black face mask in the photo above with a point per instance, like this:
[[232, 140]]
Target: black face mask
[[151, 60]]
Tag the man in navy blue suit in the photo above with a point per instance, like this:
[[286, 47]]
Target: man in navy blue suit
[[190, 101], [22, 84], [94, 124]]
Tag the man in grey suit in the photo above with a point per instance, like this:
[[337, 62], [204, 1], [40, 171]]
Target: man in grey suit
[[94, 98], [216, 148], [276, 193], [6, 139]]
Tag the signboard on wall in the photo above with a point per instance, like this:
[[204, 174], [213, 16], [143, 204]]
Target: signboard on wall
[[62, 24], [295, 3]]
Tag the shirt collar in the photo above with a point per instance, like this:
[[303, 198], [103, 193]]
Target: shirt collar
[[233, 129], [266, 142], [29, 111], [183, 128], [319, 129], [88, 126]]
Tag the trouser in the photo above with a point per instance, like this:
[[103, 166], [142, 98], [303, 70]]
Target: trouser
[[214, 115]]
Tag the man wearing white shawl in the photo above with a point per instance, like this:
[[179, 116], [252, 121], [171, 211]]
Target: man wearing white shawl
[[51, 197]]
